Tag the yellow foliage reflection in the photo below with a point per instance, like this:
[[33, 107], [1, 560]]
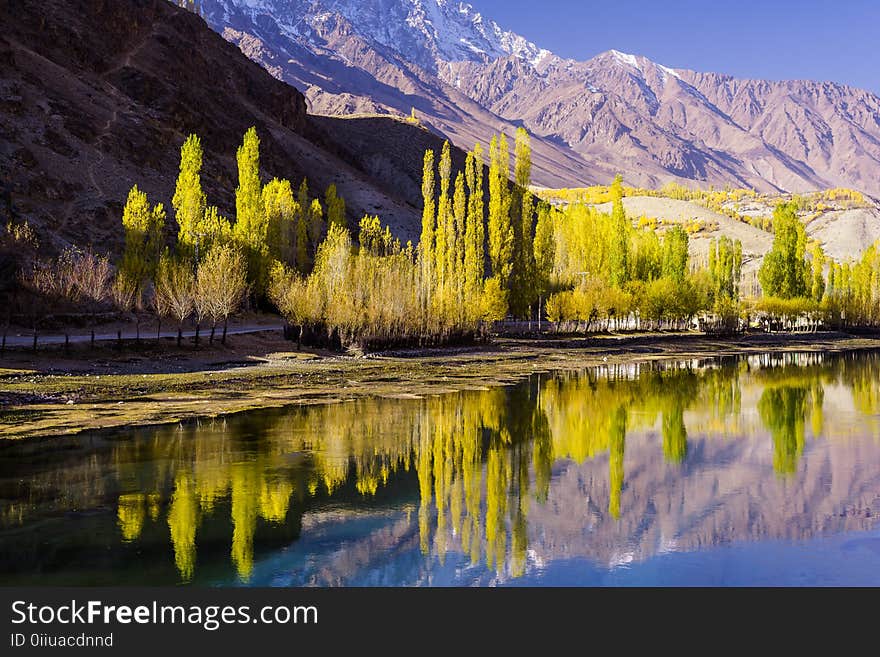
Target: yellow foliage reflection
[[130, 513], [481, 459], [182, 521]]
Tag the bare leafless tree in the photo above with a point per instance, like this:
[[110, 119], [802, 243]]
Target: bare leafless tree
[[221, 285], [124, 294], [92, 279], [175, 291]]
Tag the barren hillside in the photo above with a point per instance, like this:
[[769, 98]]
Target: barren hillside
[[98, 96]]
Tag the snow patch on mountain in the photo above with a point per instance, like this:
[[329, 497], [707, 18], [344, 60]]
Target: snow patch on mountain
[[626, 58], [641, 63], [669, 71], [426, 32]]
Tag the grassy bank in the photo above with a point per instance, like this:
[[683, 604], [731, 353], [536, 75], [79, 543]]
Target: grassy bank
[[51, 393]]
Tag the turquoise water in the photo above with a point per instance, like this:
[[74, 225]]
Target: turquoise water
[[746, 471]]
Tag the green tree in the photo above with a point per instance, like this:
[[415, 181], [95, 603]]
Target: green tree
[[675, 254], [426, 241], [251, 225], [494, 300], [620, 227], [783, 273], [545, 253], [725, 269], [456, 244], [316, 225], [283, 215], [302, 241], [523, 285], [189, 200], [818, 260], [335, 207], [143, 228], [499, 227], [444, 217]]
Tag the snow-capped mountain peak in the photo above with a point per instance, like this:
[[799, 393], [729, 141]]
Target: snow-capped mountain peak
[[425, 32], [641, 63], [467, 77]]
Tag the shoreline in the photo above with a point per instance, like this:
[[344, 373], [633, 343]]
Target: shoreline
[[49, 395]]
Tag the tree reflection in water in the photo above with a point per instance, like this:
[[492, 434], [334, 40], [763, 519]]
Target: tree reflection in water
[[479, 460]]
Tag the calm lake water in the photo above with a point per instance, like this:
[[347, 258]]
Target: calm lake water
[[762, 470]]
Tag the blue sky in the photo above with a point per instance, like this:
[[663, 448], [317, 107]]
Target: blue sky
[[773, 39]]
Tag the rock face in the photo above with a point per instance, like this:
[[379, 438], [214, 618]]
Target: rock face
[[98, 95], [468, 78]]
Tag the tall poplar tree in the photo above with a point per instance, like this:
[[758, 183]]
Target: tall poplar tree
[[784, 272], [312, 217], [478, 209], [500, 230], [189, 201], [470, 267], [523, 284], [335, 207], [545, 253], [143, 228], [675, 254], [620, 229], [444, 210], [456, 241], [725, 268], [282, 214], [426, 241], [302, 242], [818, 260], [317, 223], [250, 228]]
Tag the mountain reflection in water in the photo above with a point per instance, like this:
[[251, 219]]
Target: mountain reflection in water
[[604, 469]]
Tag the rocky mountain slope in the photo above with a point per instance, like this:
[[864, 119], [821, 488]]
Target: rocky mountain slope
[[467, 78], [96, 96]]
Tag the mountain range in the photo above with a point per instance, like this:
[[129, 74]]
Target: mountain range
[[467, 78]]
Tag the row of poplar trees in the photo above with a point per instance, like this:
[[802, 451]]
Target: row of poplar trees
[[474, 263], [488, 250], [273, 223], [480, 260]]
